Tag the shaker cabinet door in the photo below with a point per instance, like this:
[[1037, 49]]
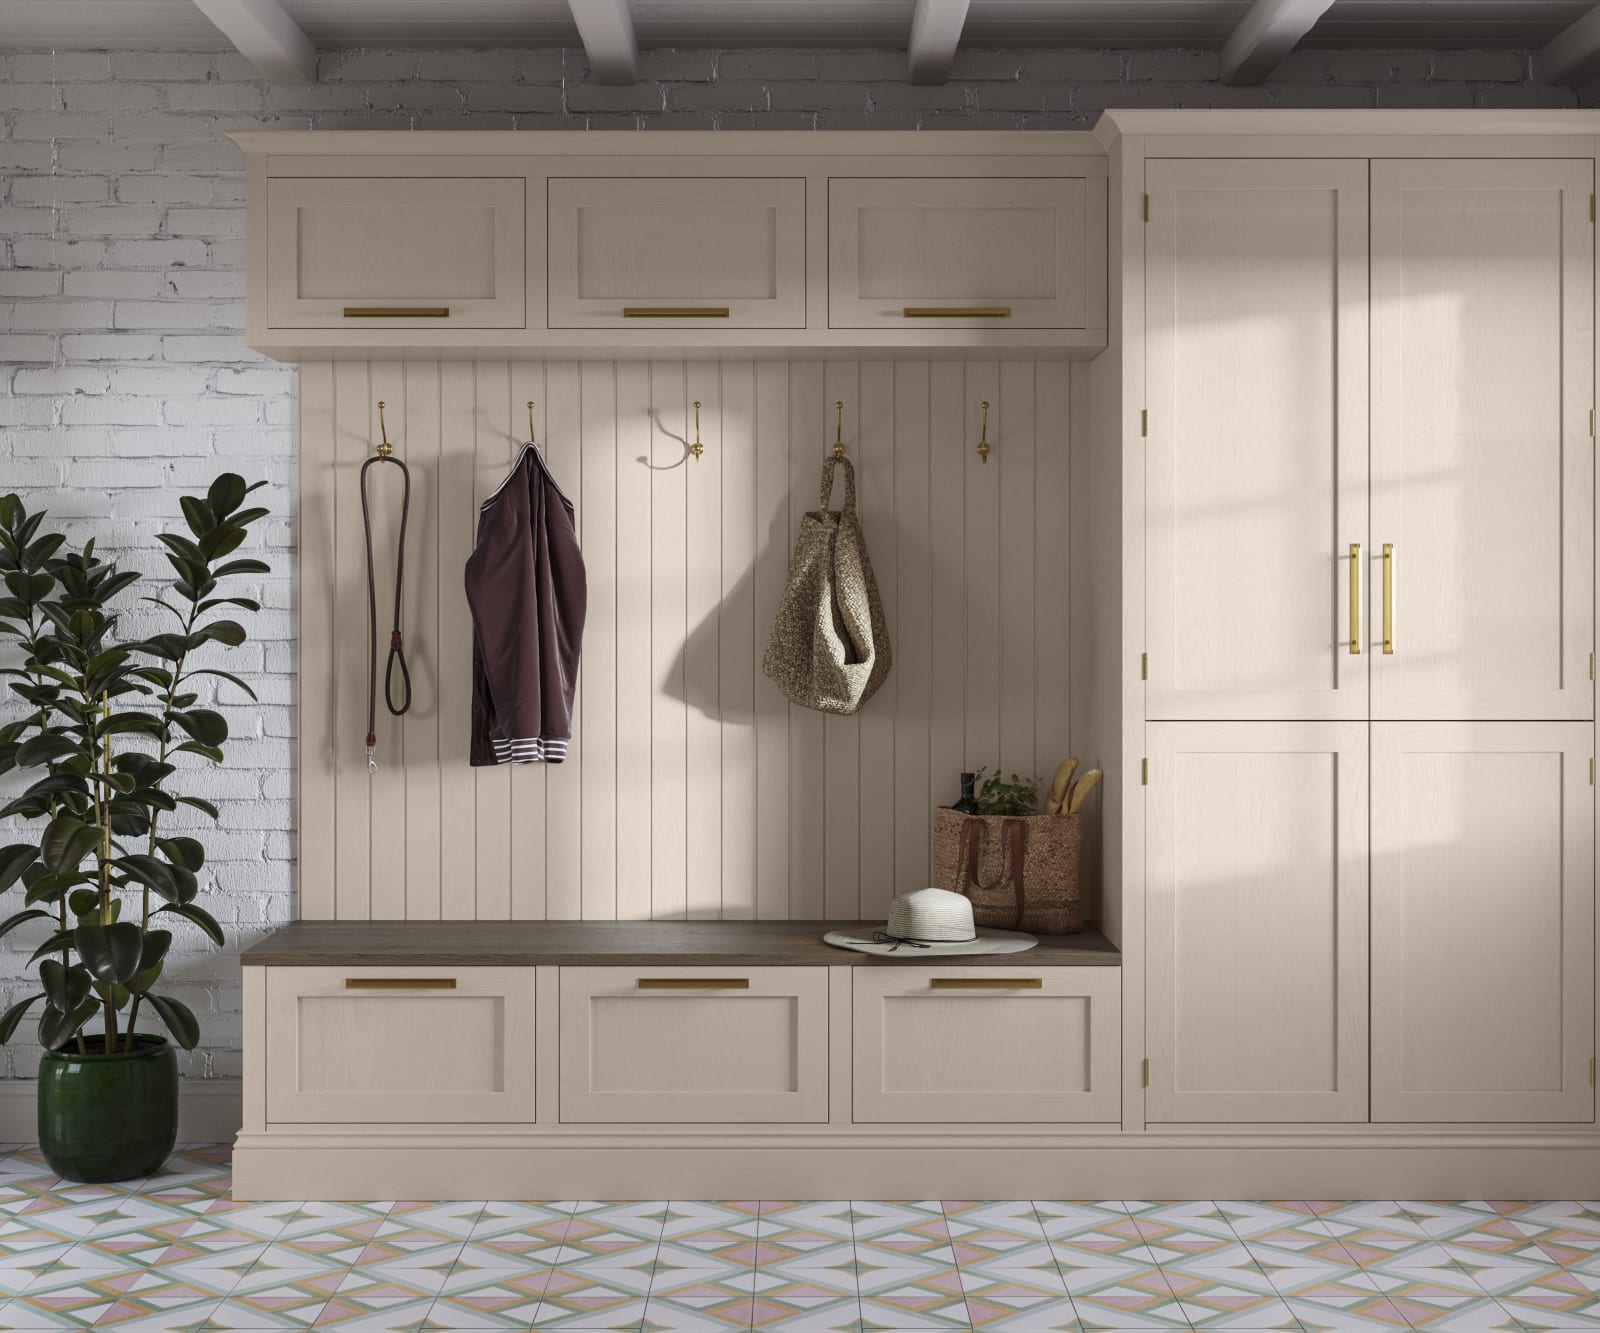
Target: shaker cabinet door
[[1256, 912], [1256, 456], [1482, 921], [1482, 466]]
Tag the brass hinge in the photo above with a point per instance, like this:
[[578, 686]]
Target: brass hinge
[[1144, 421], [1144, 772], [1591, 666], [1591, 770], [1147, 208], [1591, 1071], [1591, 207], [1144, 665], [1147, 1073], [1591, 423]]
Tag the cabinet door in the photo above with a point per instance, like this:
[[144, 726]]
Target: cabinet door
[[1482, 921], [694, 1045], [975, 1045], [1027, 252], [387, 1046], [1482, 381], [435, 253], [1256, 907], [1256, 456], [629, 253]]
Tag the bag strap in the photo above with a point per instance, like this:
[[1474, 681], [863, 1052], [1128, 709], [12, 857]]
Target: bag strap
[[1017, 834], [973, 836], [849, 484]]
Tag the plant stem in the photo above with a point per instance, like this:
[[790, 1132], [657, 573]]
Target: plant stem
[[133, 1017]]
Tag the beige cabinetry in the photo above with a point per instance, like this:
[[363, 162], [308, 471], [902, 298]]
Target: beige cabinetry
[[390, 1046], [703, 1045], [986, 1045], [679, 252], [1256, 454], [1256, 902], [1482, 461], [1482, 921], [395, 253], [966, 253]]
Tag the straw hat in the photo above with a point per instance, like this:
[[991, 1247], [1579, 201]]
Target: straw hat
[[930, 923]]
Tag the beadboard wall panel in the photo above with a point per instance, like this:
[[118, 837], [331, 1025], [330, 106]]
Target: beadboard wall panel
[[692, 789]]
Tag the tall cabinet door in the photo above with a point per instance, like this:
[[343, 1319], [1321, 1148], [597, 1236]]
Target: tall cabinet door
[[1482, 921], [1256, 456], [1256, 915], [1483, 495]]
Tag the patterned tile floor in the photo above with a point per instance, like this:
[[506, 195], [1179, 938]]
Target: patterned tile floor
[[175, 1253]]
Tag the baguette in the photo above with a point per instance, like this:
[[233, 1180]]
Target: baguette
[[1081, 789], [1058, 786]]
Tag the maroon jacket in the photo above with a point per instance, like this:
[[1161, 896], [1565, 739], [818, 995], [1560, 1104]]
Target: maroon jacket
[[528, 593]]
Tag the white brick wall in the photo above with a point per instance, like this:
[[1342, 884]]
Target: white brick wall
[[124, 379]]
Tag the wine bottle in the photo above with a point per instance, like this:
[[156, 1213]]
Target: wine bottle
[[968, 804]]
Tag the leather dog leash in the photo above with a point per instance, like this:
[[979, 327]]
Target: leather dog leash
[[397, 656]]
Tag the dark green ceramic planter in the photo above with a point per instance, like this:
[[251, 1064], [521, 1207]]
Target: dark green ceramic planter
[[109, 1117]]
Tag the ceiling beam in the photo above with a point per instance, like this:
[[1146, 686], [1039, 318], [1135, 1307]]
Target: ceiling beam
[[606, 28], [266, 36], [1267, 33], [935, 33], [1572, 54]]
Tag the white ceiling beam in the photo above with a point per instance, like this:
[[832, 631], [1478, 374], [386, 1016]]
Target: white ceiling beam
[[266, 36], [1267, 33], [1572, 54], [606, 28], [935, 33]]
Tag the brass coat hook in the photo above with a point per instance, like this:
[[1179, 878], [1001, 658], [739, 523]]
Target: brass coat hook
[[838, 430], [531, 437], [983, 439], [697, 448], [384, 449]]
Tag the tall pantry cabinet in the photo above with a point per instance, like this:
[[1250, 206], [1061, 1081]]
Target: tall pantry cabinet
[[1368, 620]]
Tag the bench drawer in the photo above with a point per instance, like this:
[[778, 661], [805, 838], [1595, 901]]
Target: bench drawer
[[694, 1045], [375, 1045], [987, 1044]]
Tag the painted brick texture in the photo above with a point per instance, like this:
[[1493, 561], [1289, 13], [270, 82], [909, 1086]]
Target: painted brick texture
[[125, 381]]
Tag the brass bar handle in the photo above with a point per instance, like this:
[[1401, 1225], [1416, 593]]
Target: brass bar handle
[[986, 983], [1388, 597], [956, 312], [399, 983], [675, 312], [694, 983], [1355, 599], [397, 312]]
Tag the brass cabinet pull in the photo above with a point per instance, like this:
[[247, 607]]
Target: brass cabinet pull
[[956, 312], [694, 983], [397, 312], [675, 312], [399, 983], [1388, 597], [1355, 599], [986, 983]]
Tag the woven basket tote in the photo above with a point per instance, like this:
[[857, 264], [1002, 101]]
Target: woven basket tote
[[830, 642], [1020, 873]]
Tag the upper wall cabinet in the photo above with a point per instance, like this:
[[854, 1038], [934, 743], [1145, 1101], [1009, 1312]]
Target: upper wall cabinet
[[966, 253], [665, 245], [395, 253], [677, 253]]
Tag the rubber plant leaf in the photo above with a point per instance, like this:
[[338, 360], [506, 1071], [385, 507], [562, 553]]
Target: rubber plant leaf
[[183, 1025], [13, 861], [198, 915], [111, 953], [56, 1028], [13, 1016]]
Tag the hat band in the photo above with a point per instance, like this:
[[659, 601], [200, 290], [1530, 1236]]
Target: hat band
[[883, 937]]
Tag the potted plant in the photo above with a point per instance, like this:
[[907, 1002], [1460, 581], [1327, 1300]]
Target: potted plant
[[108, 722]]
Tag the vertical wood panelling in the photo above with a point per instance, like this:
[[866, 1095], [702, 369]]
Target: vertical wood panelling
[[318, 508], [701, 648], [458, 521], [387, 784], [562, 436], [737, 623], [596, 736], [913, 639], [420, 621], [352, 407], [841, 791], [530, 838], [692, 788]]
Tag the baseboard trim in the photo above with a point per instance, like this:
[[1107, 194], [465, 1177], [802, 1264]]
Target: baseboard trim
[[209, 1110]]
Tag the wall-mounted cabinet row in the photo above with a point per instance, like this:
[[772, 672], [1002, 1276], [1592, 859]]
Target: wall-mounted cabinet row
[[416, 259], [684, 1046]]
